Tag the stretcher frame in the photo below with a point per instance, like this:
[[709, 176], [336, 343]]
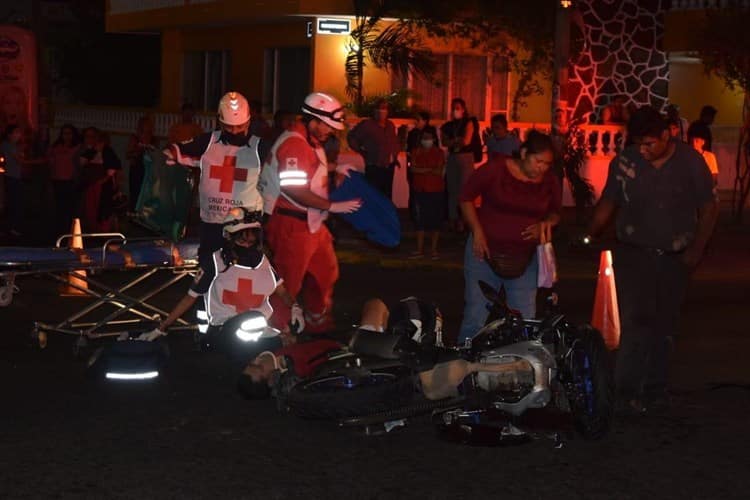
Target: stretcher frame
[[140, 308]]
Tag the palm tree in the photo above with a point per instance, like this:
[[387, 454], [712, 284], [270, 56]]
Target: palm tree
[[396, 48]]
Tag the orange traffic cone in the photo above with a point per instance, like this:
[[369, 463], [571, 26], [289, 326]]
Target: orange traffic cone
[[606, 314], [76, 286]]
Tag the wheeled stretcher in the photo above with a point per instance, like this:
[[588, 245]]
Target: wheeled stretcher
[[161, 262]]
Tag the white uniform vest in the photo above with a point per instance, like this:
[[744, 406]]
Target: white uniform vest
[[270, 182], [229, 178], [239, 289]]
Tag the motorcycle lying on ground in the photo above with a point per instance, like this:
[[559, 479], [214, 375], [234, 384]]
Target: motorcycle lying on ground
[[561, 366]]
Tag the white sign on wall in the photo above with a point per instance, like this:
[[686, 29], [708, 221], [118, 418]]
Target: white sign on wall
[[334, 26]]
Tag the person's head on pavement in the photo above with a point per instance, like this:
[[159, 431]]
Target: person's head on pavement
[[234, 118], [321, 115], [649, 132]]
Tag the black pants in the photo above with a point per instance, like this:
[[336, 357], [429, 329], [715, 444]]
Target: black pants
[[14, 202], [650, 291], [381, 178]]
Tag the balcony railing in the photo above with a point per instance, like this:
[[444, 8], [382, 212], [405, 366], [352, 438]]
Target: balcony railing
[[708, 4], [602, 140]]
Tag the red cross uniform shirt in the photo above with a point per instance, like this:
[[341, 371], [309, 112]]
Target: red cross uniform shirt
[[229, 174], [297, 163], [229, 291]]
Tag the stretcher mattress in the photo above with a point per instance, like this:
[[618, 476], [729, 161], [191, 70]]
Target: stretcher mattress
[[117, 255], [377, 217]]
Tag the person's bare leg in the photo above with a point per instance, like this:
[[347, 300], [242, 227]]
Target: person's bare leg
[[420, 242], [375, 314], [434, 242]]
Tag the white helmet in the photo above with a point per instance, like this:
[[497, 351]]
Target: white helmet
[[326, 108], [240, 218], [234, 109]]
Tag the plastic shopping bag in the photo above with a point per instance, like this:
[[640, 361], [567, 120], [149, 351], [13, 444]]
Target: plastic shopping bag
[[547, 276]]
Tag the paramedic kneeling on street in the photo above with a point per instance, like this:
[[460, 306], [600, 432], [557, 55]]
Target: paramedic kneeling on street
[[240, 278]]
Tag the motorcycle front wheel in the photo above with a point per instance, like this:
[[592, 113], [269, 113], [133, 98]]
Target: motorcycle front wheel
[[590, 384]]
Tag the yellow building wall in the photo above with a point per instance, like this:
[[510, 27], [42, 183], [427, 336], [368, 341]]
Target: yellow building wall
[[246, 44], [691, 89], [329, 56]]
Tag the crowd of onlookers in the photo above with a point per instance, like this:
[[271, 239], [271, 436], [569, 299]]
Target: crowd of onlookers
[[84, 170]]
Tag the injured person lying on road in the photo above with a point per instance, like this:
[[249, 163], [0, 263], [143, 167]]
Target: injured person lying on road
[[415, 328]]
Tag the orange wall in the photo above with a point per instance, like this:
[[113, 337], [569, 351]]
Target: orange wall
[[690, 88], [329, 56], [246, 44]]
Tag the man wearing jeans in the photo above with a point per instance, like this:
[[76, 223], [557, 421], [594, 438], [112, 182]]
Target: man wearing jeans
[[666, 210]]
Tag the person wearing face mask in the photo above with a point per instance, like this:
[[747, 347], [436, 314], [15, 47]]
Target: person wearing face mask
[[239, 266], [521, 202], [229, 165], [376, 140], [461, 136], [428, 185], [294, 183]]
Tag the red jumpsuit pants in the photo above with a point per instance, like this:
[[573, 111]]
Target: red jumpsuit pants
[[307, 263]]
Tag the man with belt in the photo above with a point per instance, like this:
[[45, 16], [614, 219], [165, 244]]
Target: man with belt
[[294, 184], [229, 164], [666, 209]]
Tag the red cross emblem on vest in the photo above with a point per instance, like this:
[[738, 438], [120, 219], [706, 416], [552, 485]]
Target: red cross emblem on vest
[[227, 173], [243, 299]]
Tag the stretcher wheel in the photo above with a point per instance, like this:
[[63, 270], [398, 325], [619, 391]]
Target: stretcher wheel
[[6, 295]]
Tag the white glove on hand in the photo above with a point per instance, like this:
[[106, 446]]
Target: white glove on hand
[[345, 169], [345, 207], [297, 319], [152, 335]]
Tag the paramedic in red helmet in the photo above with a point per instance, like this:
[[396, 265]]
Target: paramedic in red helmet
[[238, 278], [294, 184], [229, 164]]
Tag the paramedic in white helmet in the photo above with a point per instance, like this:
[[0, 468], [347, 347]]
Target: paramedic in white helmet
[[294, 185], [238, 278], [229, 168]]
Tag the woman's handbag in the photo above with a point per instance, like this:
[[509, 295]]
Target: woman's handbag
[[510, 266]]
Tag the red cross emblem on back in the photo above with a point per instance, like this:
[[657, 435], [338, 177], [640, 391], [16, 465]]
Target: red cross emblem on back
[[227, 173], [243, 299]]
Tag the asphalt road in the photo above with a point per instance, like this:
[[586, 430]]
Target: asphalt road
[[190, 436]]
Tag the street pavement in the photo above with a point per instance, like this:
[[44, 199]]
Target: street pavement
[[189, 435]]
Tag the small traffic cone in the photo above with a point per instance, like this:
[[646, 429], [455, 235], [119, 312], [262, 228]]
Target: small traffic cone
[[76, 286], [606, 314]]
